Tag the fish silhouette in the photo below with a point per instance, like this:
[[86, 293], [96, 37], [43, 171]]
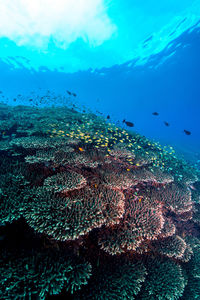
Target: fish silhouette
[[187, 132], [166, 123], [130, 124]]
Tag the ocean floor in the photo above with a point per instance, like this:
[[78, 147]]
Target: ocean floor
[[89, 210]]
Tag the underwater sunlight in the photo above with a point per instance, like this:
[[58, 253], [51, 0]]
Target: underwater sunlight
[[100, 149]]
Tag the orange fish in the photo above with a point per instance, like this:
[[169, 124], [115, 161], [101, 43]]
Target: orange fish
[[140, 199], [80, 149]]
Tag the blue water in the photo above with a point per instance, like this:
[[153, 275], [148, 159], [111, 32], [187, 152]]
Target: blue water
[[168, 84]]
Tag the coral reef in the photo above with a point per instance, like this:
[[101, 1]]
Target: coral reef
[[115, 280], [69, 217], [39, 272], [165, 280], [100, 212], [192, 290]]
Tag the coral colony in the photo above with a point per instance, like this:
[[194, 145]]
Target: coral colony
[[89, 210]]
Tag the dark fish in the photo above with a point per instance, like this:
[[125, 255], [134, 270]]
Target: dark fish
[[155, 113], [148, 39], [130, 124], [69, 93], [166, 123], [187, 132], [74, 94], [108, 117]]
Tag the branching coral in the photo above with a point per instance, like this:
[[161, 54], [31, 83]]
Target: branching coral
[[64, 182], [39, 273], [11, 204], [67, 218], [192, 290], [168, 229], [172, 246], [120, 181], [140, 222], [33, 142], [196, 215], [176, 198], [115, 281], [42, 156], [165, 280], [13, 187]]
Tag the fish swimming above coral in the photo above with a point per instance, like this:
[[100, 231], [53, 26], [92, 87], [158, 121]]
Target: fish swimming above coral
[[129, 124], [187, 132], [69, 93]]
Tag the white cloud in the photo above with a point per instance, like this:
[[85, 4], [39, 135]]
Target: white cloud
[[36, 22]]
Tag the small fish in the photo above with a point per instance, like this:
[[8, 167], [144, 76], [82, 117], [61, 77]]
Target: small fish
[[108, 117], [155, 113], [166, 123], [74, 94], [99, 112], [187, 132], [130, 124], [69, 93], [80, 149]]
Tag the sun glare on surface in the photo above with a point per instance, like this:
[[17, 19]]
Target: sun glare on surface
[[38, 22]]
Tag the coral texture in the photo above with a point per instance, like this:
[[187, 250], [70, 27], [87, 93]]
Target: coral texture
[[89, 210]]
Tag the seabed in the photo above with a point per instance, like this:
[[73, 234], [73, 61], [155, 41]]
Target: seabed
[[89, 210]]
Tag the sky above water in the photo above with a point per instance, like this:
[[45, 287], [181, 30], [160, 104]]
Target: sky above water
[[77, 35]]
